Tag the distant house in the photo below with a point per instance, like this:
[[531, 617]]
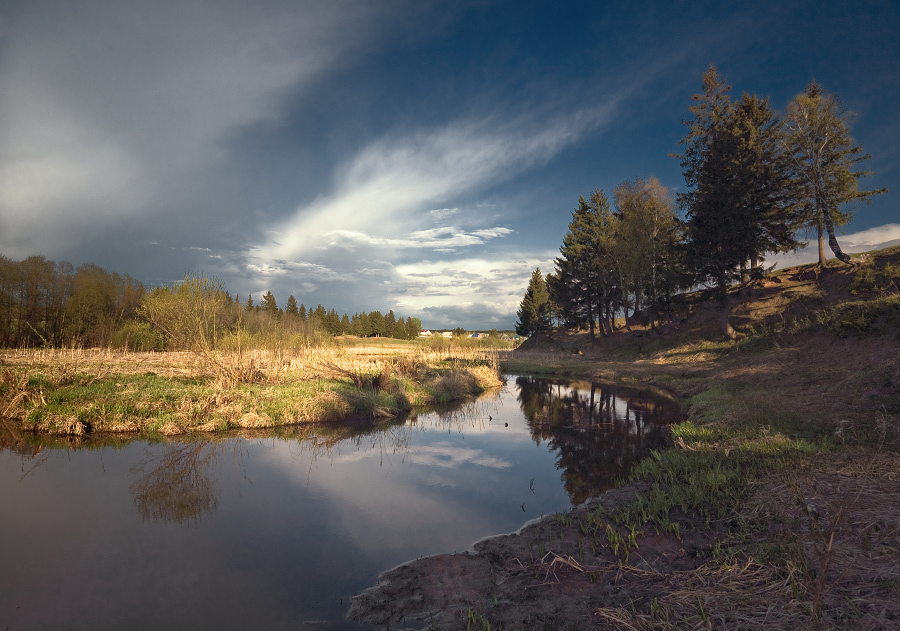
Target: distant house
[[424, 333], [447, 334], [478, 335]]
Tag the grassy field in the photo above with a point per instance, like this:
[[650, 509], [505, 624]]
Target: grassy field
[[79, 391]]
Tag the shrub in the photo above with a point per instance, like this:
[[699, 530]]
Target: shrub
[[138, 336]]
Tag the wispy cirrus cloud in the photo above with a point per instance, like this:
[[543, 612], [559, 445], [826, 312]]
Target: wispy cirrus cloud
[[394, 229], [446, 238], [389, 185]]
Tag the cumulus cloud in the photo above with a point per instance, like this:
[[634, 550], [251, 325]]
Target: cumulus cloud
[[873, 238], [482, 292]]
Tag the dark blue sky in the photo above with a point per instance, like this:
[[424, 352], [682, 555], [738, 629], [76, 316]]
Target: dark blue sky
[[416, 156]]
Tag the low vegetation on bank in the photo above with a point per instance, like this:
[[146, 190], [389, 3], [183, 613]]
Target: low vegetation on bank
[[78, 391]]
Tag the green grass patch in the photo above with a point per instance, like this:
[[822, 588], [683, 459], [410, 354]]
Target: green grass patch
[[707, 474]]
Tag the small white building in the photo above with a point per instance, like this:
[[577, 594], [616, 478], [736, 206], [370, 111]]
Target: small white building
[[424, 333]]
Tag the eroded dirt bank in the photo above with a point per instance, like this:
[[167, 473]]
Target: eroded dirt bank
[[812, 549], [552, 574]]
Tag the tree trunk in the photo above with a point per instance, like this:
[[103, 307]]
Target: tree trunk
[[611, 314], [727, 331], [625, 313], [832, 240], [725, 306], [604, 325], [822, 257], [624, 301], [591, 320]]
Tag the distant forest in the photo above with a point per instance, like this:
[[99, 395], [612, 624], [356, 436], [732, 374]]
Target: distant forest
[[47, 303], [756, 182]]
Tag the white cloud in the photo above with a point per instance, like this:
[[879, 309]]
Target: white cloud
[[445, 238], [485, 285], [852, 243], [389, 185], [873, 238], [440, 215]]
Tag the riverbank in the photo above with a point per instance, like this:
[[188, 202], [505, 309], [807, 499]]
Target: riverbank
[[776, 507], [83, 391]]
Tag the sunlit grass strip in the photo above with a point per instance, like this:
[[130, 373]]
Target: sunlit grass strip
[[79, 391]]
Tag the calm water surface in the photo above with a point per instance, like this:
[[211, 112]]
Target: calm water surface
[[277, 532]]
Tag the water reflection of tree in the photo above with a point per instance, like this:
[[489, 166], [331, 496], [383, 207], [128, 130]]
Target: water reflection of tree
[[177, 485], [597, 431], [462, 415]]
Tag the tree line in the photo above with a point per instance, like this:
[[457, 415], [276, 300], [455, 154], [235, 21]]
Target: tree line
[[45, 303], [757, 181], [55, 304], [360, 324]]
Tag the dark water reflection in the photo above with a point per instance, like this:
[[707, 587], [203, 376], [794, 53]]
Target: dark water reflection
[[598, 431], [275, 530], [178, 485]]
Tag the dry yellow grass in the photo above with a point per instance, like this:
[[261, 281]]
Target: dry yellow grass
[[308, 384]]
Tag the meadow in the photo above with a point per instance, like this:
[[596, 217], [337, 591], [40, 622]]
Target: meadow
[[82, 391]]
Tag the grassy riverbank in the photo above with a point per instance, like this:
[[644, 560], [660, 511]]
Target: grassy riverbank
[[85, 391], [783, 486]]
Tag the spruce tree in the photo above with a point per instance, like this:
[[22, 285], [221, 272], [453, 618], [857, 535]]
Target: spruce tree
[[739, 202], [714, 245], [534, 311], [585, 284], [766, 190], [268, 303]]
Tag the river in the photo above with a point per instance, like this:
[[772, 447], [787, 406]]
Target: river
[[278, 530]]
